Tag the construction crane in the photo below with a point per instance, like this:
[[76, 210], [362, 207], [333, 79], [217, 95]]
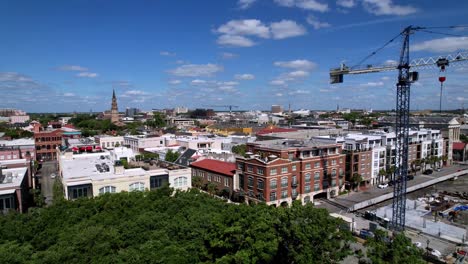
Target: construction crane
[[230, 107], [405, 78]]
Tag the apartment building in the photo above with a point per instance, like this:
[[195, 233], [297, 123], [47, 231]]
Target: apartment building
[[221, 173], [46, 143], [14, 189], [93, 174], [25, 146], [280, 171], [139, 143], [108, 142]]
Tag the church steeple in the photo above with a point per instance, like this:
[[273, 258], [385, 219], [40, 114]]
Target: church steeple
[[114, 108]]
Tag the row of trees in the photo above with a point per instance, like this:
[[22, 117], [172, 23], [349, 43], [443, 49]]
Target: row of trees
[[162, 227]]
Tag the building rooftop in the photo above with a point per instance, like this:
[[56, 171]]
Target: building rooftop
[[216, 166], [283, 144], [11, 179], [17, 142], [99, 166]]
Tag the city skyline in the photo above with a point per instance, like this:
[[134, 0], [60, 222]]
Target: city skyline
[[62, 57]]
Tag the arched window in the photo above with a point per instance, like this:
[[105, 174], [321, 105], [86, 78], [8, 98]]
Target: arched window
[[307, 177], [137, 186], [180, 182], [273, 184], [107, 189]]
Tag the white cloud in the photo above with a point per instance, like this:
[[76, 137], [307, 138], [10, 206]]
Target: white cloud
[[278, 82], [299, 92], [198, 82], [87, 74], [250, 27], [175, 82], [385, 78], [196, 70], [68, 94], [234, 40], [245, 76], [387, 7], [228, 55], [297, 74], [296, 64], [279, 94], [346, 3], [135, 92], [166, 53], [391, 62], [244, 4], [448, 44], [286, 29], [372, 84], [304, 4], [71, 68], [313, 21]]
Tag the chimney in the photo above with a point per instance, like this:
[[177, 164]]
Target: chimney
[[118, 167]]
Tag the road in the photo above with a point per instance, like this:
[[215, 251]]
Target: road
[[47, 183], [373, 192]]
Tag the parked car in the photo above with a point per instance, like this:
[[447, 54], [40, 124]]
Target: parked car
[[383, 185], [410, 177], [428, 172], [438, 169], [365, 234]]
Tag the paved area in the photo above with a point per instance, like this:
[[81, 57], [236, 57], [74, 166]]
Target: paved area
[[364, 194], [47, 183]]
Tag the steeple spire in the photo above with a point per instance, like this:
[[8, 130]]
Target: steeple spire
[[113, 93]]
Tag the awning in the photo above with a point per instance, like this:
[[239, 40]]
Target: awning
[[8, 191], [78, 183]]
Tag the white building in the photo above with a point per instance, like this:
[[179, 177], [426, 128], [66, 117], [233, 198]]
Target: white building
[[92, 174], [108, 142], [139, 143]]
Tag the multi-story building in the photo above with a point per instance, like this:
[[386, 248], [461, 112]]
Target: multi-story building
[[107, 175], [139, 143], [46, 143], [221, 173], [199, 143], [280, 171], [109, 142], [276, 109], [25, 146], [14, 189]]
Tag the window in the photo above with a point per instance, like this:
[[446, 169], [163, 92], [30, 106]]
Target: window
[[273, 172], [249, 168], [316, 187], [226, 181], [333, 174], [7, 202], [137, 186], [209, 176], [307, 199], [307, 166], [294, 179], [273, 184], [240, 166], [284, 194], [284, 170], [307, 177], [107, 189], [158, 181], [260, 184], [317, 175], [317, 164], [260, 171], [284, 182], [293, 168], [293, 193], [272, 196], [180, 182], [307, 188], [333, 162], [75, 192], [250, 182]]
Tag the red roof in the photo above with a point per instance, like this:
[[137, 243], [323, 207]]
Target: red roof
[[217, 166], [458, 145], [269, 130]]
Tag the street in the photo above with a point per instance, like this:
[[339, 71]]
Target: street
[[47, 183]]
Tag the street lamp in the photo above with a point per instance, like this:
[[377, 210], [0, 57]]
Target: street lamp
[[427, 248]]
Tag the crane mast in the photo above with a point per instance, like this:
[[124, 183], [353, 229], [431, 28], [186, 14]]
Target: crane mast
[[401, 133], [405, 78]]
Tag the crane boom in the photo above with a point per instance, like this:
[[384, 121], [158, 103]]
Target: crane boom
[[405, 78], [336, 75]]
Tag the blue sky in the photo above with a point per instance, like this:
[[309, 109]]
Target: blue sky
[[68, 55]]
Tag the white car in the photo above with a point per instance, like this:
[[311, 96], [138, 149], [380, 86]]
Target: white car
[[417, 244], [383, 185], [52, 176]]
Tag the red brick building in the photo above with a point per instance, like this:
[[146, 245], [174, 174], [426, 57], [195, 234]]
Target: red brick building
[[46, 144], [218, 172], [280, 171]]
